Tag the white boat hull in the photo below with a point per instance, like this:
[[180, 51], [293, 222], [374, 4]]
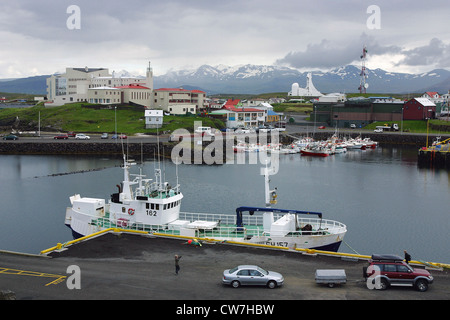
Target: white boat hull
[[328, 236]]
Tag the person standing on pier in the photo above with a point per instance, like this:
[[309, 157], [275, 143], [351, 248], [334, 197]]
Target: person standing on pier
[[407, 257], [177, 263]]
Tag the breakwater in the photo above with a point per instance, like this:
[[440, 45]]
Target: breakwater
[[90, 148]]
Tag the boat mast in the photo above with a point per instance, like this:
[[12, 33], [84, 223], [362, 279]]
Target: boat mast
[[271, 195], [126, 192]]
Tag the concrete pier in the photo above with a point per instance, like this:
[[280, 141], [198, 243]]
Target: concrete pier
[[134, 267]]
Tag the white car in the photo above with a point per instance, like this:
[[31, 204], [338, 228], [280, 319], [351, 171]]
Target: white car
[[378, 130], [251, 275], [82, 136]]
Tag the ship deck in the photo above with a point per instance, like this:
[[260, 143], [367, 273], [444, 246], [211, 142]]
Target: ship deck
[[252, 227]]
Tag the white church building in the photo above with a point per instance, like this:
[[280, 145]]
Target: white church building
[[309, 91]]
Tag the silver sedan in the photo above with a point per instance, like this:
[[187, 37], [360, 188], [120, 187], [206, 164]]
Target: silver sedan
[[251, 275]]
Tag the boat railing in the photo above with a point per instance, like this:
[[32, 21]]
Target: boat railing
[[226, 226]]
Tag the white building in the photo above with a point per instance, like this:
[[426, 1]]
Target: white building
[[333, 97], [74, 85], [153, 118], [309, 91]]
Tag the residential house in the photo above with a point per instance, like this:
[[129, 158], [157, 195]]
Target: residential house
[[244, 117], [430, 95], [153, 118]]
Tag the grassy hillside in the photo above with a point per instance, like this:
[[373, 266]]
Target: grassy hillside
[[91, 119]]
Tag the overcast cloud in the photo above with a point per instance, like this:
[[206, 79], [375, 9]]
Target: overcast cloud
[[320, 34]]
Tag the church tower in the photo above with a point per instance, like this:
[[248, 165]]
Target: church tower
[[149, 76]]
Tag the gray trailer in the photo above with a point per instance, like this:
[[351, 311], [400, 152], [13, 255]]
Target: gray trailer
[[331, 277]]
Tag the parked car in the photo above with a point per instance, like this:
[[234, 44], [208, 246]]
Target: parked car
[[378, 130], [119, 136], [10, 137], [251, 275], [61, 136], [387, 270], [71, 134], [82, 136], [322, 127], [353, 126], [104, 136]]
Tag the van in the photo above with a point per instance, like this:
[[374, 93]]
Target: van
[[203, 130]]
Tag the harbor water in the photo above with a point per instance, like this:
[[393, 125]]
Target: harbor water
[[386, 201]]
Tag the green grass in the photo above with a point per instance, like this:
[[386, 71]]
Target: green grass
[[293, 107], [84, 118]]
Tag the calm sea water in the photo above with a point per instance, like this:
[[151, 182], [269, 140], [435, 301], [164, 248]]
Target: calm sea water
[[386, 201]]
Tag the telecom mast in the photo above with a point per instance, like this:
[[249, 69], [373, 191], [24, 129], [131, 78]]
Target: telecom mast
[[363, 85]]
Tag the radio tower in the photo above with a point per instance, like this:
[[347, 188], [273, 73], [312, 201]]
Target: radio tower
[[363, 85]]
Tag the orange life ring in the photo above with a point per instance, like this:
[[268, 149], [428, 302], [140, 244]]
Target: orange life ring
[[130, 211]]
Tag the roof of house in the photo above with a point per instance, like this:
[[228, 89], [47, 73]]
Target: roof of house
[[231, 102], [233, 108], [431, 93], [425, 102], [272, 113]]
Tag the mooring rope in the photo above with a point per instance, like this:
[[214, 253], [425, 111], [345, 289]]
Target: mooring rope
[[350, 247]]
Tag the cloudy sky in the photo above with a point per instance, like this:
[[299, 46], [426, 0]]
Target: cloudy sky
[[45, 36]]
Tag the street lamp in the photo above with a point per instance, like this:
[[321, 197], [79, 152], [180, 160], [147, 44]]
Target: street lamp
[[402, 120], [115, 121]]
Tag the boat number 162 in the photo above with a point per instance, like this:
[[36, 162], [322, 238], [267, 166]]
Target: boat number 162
[[151, 213]]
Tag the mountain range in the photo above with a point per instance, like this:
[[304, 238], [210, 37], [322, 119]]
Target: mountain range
[[256, 79], [260, 79]]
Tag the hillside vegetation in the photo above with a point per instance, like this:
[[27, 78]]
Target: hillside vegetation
[[92, 119]]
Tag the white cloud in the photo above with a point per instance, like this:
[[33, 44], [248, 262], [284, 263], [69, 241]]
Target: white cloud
[[176, 33]]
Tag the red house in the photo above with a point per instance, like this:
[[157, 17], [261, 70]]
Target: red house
[[419, 109]]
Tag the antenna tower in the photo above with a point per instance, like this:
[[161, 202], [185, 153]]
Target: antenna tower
[[363, 85]]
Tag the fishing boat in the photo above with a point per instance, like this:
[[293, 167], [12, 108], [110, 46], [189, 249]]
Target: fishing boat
[[154, 207], [316, 151]]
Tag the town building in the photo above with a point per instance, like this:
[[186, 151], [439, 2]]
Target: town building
[[178, 100], [104, 95], [136, 94], [308, 91], [419, 109], [358, 111], [74, 86], [244, 117], [431, 95], [153, 119]]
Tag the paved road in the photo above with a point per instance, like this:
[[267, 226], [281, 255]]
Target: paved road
[[135, 267]]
